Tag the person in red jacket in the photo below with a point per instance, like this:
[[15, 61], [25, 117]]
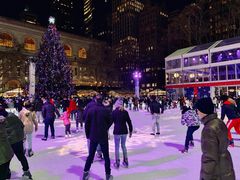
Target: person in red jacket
[[72, 108], [230, 110]]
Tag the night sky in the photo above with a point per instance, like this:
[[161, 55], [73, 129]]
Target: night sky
[[13, 8]]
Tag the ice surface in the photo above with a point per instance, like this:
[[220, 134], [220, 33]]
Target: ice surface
[[150, 157]]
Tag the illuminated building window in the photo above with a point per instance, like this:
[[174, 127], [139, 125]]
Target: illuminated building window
[[29, 44], [6, 40], [67, 50], [82, 53]]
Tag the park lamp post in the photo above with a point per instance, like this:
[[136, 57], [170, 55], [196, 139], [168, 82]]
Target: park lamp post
[[137, 76]]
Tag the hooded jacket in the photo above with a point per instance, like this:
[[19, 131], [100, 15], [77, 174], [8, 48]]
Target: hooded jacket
[[216, 163], [28, 119]]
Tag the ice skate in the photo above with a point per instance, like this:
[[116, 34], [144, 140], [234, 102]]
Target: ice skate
[[30, 153], [85, 176], [191, 144], [109, 177], [184, 150], [125, 163], [116, 164], [26, 175]]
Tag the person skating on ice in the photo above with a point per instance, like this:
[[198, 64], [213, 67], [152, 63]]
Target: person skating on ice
[[65, 117], [121, 119], [97, 124], [48, 113], [29, 120], [230, 110], [216, 162], [15, 133], [155, 111], [6, 152], [192, 121]]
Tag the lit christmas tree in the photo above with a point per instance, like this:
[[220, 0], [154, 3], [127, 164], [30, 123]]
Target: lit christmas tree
[[53, 71]]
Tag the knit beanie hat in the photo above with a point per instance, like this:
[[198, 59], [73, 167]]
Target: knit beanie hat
[[205, 105], [118, 103]]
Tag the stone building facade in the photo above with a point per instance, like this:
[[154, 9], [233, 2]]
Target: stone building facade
[[91, 60]]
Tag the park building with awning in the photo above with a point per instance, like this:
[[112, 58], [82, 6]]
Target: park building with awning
[[211, 69]]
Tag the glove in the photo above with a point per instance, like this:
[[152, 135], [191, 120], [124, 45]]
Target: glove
[[130, 134]]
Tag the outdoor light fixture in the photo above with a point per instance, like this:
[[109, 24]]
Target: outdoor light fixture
[[192, 75], [176, 75], [137, 75]]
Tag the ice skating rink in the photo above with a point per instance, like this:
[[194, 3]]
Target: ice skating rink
[[150, 157]]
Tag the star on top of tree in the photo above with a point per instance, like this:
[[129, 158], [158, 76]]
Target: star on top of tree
[[51, 20]]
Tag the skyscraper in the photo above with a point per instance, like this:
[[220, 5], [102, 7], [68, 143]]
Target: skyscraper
[[152, 45], [125, 37], [97, 19], [63, 11]]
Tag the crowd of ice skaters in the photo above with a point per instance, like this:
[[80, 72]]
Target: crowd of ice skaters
[[19, 118]]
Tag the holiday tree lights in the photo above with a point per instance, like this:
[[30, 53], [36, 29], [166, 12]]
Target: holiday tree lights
[[53, 71]]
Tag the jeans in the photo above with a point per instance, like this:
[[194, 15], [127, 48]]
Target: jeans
[[105, 151], [39, 116], [189, 137], [5, 172], [47, 124], [19, 152], [67, 129], [155, 118], [77, 123], [99, 151], [73, 115], [28, 141], [117, 139]]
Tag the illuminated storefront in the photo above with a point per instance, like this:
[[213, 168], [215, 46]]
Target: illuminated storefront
[[210, 69]]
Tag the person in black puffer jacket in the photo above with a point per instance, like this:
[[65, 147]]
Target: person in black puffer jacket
[[121, 119], [230, 110]]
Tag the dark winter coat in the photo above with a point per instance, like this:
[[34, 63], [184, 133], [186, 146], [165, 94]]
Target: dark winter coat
[[216, 163], [98, 121], [155, 107], [6, 152], [79, 115], [230, 110], [88, 106], [14, 128], [48, 112], [38, 105], [120, 119]]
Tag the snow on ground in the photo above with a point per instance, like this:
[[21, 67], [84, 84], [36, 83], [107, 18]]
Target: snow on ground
[[150, 157]]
